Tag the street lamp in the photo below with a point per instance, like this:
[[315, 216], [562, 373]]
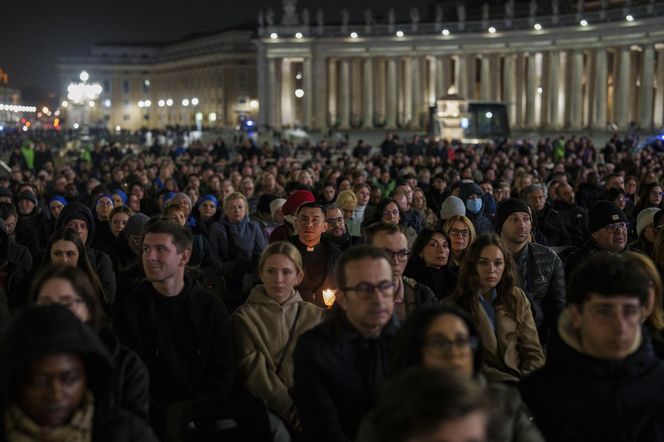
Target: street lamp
[[83, 95]]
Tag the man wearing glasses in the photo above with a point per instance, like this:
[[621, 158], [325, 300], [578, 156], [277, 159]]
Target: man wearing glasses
[[608, 228], [602, 380], [340, 363], [336, 229], [409, 294]]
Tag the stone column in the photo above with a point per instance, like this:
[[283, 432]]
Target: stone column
[[320, 92], [367, 94], [407, 91], [485, 78], [261, 68], [391, 102], [380, 86], [442, 74], [659, 94], [344, 87], [433, 77], [552, 92], [286, 93], [509, 87], [621, 91], [531, 91], [599, 93], [576, 90], [646, 90], [273, 88], [462, 76], [333, 93], [415, 64], [308, 98]]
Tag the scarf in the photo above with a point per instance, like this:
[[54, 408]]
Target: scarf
[[20, 428]]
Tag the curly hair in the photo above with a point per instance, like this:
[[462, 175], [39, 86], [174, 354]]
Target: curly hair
[[468, 285]]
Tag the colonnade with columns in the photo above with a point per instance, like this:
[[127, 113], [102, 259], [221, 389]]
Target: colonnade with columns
[[553, 87]]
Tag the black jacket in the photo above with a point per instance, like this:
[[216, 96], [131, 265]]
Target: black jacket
[[589, 247], [575, 219], [19, 265], [208, 370], [542, 279], [549, 223], [578, 398], [345, 241], [442, 281], [311, 288], [337, 372]]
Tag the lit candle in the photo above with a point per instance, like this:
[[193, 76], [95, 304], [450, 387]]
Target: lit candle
[[329, 297]]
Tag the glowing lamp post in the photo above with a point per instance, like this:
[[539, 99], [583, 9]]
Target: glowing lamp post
[[83, 94], [329, 296]]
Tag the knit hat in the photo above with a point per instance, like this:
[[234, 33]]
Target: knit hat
[[508, 207], [104, 195], [603, 213], [123, 196], [645, 218], [27, 195], [275, 204], [469, 188], [77, 210], [210, 198], [59, 198], [135, 224], [452, 206], [295, 200], [6, 192]]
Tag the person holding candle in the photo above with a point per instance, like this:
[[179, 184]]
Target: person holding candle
[[266, 328]]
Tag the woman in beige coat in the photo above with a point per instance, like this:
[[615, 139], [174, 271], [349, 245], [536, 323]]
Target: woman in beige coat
[[266, 329], [487, 290]]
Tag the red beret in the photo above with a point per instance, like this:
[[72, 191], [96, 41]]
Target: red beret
[[295, 200]]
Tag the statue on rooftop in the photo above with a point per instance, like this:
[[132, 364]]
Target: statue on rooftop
[[414, 18], [509, 13], [305, 17], [390, 20], [269, 17], [345, 19], [289, 17], [461, 16]]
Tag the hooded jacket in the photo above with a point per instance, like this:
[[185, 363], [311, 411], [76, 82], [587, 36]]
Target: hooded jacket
[[42, 330], [100, 260], [19, 264], [479, 220], [261, 329], [577, 397]]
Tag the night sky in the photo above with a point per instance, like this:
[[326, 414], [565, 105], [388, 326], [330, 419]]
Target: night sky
[[33, 34]]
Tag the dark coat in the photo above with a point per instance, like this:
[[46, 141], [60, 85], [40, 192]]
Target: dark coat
[[590, 247], [345, 241], [36, 224], [209, 375], [542, 279], [578, 398], [549, 223], [309, 291], [442, 281], [19, 265], [575, 219], [337, 372]]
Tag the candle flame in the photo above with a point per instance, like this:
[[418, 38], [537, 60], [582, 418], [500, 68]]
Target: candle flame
[[329, 297]]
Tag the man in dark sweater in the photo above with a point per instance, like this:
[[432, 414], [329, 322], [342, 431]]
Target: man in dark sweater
[[180, 330], [318, 253], [340, 363]]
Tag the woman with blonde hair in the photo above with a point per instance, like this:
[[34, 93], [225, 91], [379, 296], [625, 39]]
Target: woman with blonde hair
[[487, 289], [654, 313], [266, 329], [347, 202], [462, 234]]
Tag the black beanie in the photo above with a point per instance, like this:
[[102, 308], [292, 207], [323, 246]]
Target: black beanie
[[603, 213], [508, 207]]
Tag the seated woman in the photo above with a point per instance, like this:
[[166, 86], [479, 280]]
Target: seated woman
[[388, 211], [71, 287], [57, 378], [428, 265], [102, 212], [487, 290], [65, 248], [445, 337], [461, 232], [267, 327], [118, 219]]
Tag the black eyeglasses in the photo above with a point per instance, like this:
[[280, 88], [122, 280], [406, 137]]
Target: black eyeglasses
[[335, 220], [443, 347], [401, 255], [365, 290], [617, 227]]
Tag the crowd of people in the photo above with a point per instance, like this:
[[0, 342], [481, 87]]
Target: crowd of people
[[416, 290]]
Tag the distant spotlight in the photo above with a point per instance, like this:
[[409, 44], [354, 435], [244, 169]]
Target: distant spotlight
[[583, 22], [250, 123], [298, 76], [118, 128], [492, 30], [65, 104], [169, 102], [298, 35], [141, 104], [299, 93], [629, 17], [185, 102], [194, 101], [161, 103], [464, 123], [540, 89], [147, 103], [399, 33], [107, 103], [537, 27], [488, 115], [25, 128], [76, 126], [2, 128], [84, 76], [445, 32], [274, 36], [91, 103], [353, 35]]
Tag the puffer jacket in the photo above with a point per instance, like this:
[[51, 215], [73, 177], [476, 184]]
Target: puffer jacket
[[542, 279], [245, 241], [550, 225], [261, 329]]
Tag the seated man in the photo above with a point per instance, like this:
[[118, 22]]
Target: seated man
[[340, 363], [318, 252], [180, 330], [337, 230], [602, 381], [409, 294]]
